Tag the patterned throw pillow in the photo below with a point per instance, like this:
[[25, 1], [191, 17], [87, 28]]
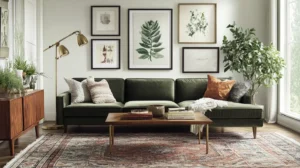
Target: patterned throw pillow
[[100, 92], [238, 90], [217, 89], [79, 91]]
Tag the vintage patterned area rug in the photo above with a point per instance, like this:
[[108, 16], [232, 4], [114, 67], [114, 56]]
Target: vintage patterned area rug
[[160, 150]]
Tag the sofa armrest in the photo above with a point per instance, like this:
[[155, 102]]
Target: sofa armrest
[[246, 99], [62, 100]]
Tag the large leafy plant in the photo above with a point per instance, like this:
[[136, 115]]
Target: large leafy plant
[[247, 55], [150, 36]]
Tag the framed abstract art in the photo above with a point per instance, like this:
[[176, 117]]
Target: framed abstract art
[[197, 23], [105, 53], [105, 20], [200, 59], [150, 40]]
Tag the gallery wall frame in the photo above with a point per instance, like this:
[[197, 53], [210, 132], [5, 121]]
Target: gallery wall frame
[[3, 27], [150, 39], [200, 59], [105, 20], [190, 16], [105, 54]]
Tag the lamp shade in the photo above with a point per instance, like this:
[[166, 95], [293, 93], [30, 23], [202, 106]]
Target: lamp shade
[[62, 51], [81, 39]]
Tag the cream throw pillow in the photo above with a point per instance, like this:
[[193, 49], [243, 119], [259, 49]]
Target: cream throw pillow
[[100, 92], [79, 91]]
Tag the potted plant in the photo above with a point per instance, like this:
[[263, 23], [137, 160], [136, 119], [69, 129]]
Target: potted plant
[[9, 81], [246, 54], [30, 73]]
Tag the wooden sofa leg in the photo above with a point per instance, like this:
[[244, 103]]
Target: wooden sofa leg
[[65, 128], [222, 129], [254, 132]]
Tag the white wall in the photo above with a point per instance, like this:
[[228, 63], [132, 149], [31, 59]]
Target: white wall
[[62, 17]]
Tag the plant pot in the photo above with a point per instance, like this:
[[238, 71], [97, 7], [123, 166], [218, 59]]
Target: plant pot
[[157, 110], [19, 73]]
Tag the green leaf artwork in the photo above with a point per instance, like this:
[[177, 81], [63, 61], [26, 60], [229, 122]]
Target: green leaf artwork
[[198, 23], [150, 36]]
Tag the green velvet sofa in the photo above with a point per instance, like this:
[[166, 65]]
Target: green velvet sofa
[[133, 93]]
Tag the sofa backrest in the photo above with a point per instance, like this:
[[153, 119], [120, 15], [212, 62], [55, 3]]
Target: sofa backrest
[[191, 88], [116, 86], [149, 89]]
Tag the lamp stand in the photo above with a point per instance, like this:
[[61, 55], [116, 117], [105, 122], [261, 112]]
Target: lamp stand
[[61, 51]]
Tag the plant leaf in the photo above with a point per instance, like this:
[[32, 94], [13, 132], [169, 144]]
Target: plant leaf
[[142, 51], [157, 49], [144, 56], [145, 45], [156, 45], [157, 55], [146, 41], [156, 39], [153, 34]]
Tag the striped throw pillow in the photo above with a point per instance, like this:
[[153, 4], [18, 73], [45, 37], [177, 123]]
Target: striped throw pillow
[[100, 91]]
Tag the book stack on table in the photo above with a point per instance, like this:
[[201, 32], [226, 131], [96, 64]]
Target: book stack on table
[[180, 114], [138, 115]]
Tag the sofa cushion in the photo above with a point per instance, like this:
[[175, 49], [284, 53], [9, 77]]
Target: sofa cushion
[[144, 104], [92, 110], [191, 88], [100, 92], [217, 89], [116, 86], [79, 91], [233, 110], [149, 89]]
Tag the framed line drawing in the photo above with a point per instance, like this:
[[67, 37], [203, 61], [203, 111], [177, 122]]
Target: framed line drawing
[[150, 39], [105, 53], [200, 59], [3, 27], [105, 20], [197, 23]]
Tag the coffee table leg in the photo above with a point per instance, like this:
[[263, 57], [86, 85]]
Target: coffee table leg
[[207, 138], [199, 132], [110, 138], [113, 135]]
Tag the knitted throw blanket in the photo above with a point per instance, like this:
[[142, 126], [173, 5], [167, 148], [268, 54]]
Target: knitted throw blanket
[[202, 105]]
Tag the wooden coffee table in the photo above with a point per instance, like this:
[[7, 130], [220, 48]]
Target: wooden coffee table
[[114, 119]]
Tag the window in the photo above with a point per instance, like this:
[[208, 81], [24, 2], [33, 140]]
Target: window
[[290, 50]]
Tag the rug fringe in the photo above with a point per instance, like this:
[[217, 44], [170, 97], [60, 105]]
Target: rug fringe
[[22, 152]]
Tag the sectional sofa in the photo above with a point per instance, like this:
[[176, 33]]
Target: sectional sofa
[[133, 93]]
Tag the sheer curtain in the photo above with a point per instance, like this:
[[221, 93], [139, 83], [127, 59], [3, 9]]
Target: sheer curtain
[[271, 108]]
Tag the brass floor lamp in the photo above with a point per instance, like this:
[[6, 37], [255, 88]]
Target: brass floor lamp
[[62, 51]]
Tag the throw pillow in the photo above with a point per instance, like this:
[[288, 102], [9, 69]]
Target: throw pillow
[[217, 89], [100, 92], [79, 91], [238, 90]]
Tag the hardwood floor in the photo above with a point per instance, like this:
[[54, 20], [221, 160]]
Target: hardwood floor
[[29, 137]]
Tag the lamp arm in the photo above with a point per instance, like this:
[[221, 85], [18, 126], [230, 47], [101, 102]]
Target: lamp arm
[[57, 43]]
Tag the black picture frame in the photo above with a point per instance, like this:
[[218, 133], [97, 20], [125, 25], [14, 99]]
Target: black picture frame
[[201, 48], [119, 53], [171, 37], [119, 20]]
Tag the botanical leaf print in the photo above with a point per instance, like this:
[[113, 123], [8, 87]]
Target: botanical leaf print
[[150, 36], [198, 23]]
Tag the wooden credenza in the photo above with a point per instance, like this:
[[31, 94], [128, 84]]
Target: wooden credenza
[[20, 113]]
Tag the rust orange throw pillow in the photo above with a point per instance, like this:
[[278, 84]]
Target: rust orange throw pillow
[[217, 89]]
